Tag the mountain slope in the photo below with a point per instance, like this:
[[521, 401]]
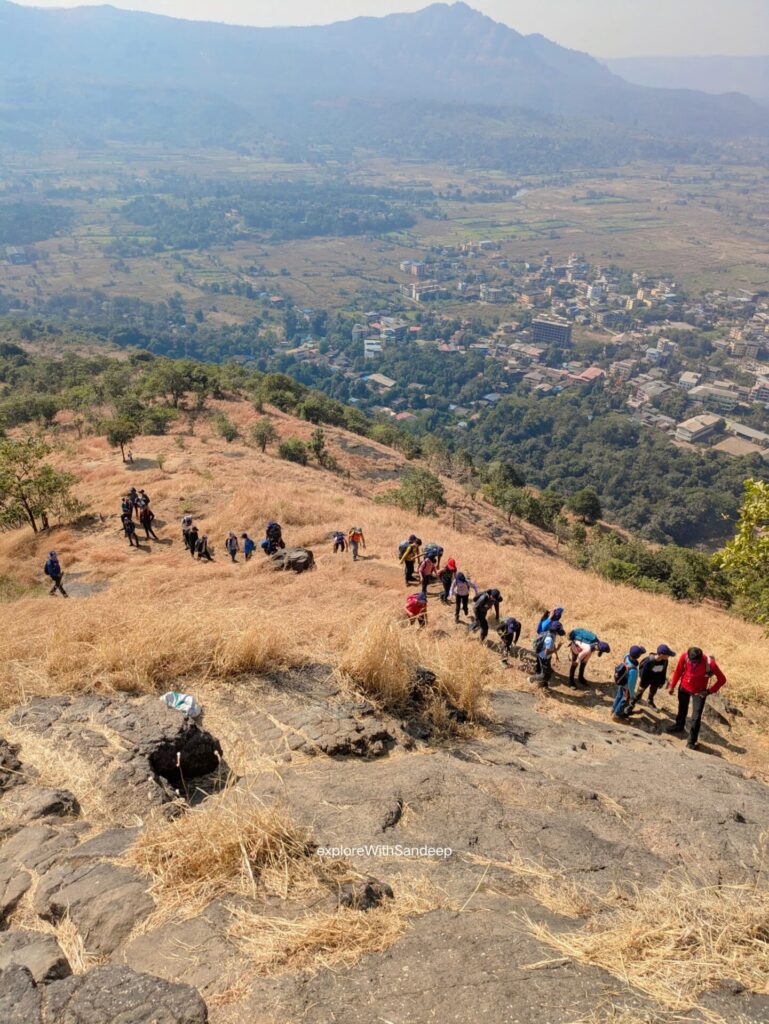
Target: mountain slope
[[568, 835], [446, 53], [748, 75]]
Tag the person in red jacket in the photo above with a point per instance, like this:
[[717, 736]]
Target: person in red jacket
[[698, 676], [416, 609]]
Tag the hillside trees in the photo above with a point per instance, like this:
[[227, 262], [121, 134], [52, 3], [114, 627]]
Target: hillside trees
[[31, 490], [263, 433], [119, 431], [745, 559], [420, 491]]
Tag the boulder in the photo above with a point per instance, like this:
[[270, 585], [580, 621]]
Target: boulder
[[144, 752], [364, 895], [104, 994], [10, 765], [39, 953], [104, 900], [295, 559], [14, 882], [25, 804]]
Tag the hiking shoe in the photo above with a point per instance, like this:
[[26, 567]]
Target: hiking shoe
[[617, 719], [675, 729], [651, 703], [691, 746]]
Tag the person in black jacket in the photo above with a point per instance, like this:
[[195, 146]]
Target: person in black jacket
[[509, 633], [652, 675], [54, 573], [129, 529], [191, 538], [482, 605]]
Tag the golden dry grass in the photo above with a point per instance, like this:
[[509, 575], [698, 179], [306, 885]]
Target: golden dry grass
[[232, 846], [677, 940]]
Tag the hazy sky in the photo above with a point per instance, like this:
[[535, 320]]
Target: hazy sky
[[608, 28]]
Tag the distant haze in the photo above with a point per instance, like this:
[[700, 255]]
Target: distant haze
[[608, 28]]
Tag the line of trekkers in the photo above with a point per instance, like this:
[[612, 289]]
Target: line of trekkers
[[696, 674], [199, 546]]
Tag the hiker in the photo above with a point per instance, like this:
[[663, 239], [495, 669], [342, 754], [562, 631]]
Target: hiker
[[133, 494], [435, 553], [355, 539], [186, 527], [446, 578], [143, 500], [126, 506], [53, 571], [274, 537], [482, 605], [340, 541], [426, 572], [249, 546], [416, 609], [409, 553], [192, 539], [460, 591], [129, 529], [202, 549], [231, 546], [509, 633], [547, 618], [583, 644], [146, 515], [546, 648], [625, 678], [129, 457], [652, 675], [694, 672]]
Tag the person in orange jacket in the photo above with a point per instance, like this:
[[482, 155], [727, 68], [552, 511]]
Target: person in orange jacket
[[697, 676]]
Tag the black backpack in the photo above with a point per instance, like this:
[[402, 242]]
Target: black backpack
[[620, 674], [539, 643]]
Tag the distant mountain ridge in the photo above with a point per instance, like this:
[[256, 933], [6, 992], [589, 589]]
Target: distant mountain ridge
[[446, 54], [717, 74]]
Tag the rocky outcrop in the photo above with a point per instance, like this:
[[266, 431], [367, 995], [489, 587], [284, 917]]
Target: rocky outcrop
[[104, 994], [39, 953], [144, 752], [293, 559]]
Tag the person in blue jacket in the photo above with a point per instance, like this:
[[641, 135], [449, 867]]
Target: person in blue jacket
[[54, 573], [625, 679], [248, 546]]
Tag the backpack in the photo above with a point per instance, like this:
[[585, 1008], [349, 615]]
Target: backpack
[[539, 643], [621, 673], [274, 531], [584, 636]]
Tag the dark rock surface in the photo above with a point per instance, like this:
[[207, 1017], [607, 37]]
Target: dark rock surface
[[293, 560], [39, 953], [146, 751], [106, 995]]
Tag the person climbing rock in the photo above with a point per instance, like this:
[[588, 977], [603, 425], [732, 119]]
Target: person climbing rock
[[509, 633], [249, 546], [146, 516], [652, 675], [446, 578], [625, 679], [583, 644], [53, 571], [482, 605], [129, 529], [274, 537], [355, 539], [546, 648], [416, 609], [698, 677], [408, 556], [460, 591], [231, 545]]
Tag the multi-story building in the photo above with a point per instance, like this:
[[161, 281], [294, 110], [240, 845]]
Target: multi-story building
[[698, 428], [551, 331]]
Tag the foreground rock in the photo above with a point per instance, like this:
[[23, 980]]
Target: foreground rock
[[39, 953], [293, 559], [104, 995], [143, 753]]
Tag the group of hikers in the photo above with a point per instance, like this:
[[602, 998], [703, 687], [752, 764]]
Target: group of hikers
[[696, 674], [199, 546], [137, 503], [353, 540]]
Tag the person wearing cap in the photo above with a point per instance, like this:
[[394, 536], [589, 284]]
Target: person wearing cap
[[53, 571], [460, 591], [582, 649], [548, 617], [416, 609], [697, 676], [509, 633], [546, 647], [482, 605], [446, 576], [409, 557], [625, 677], [652, 675]]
